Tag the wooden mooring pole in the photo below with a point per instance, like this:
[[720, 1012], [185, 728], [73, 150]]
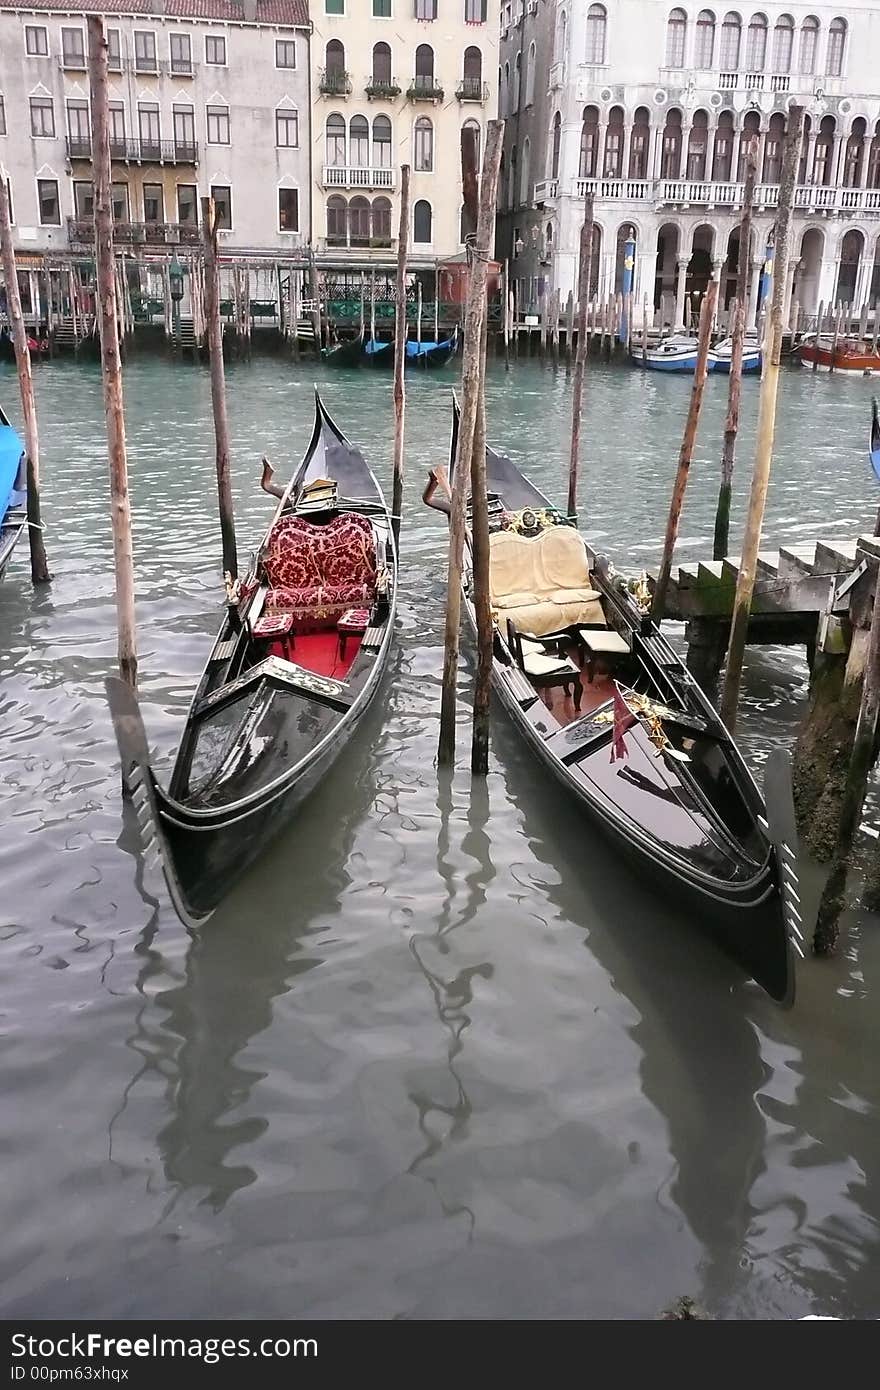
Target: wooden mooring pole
[[400, 350], [470, 402], [686, 453], [111, 365], [745, 580], [731, 424], [39, 565], [218, 388], [580, 361]]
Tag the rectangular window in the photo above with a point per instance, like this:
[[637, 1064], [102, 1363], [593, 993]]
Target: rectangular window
[[288, 210], [47, 198], [184, 131], [149, 130], [119, 199], [475, 12], [145, 51], [84, 201], [36, 40], [154, 203], [114, 51], [73, 49], [425, 9], [117, 129], [285, 53], [334, 6], [187, 204], [218, 125], [181, 54], [286, 129], [42, 117], [222, 196], [79, 135], [2, 116], [381, 9], [215, 50]]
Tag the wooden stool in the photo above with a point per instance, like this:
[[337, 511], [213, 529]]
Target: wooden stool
[[352, 622], [276, 626]]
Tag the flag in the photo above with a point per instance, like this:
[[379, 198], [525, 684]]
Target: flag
[[623, 720]]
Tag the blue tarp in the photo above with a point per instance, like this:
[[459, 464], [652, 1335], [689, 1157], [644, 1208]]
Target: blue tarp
[[424, 349], [11, 450], [373, 347]]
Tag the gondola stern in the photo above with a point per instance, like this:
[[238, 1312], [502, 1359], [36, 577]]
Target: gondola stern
[[146, 794]]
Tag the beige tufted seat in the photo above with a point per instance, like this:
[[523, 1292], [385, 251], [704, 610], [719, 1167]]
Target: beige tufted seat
[[542, 583]]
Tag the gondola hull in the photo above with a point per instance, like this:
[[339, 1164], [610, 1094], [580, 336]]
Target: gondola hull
[[13, 490], [345, 354]]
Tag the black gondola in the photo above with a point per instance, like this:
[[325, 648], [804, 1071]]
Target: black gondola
[[297, 661], [626, 729], [348, 353], [874, 439]]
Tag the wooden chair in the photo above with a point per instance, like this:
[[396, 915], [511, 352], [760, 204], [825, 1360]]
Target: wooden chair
[[543, 670]]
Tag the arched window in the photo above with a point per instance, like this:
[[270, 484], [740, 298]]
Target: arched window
[[783, 43], [698, 141], [705, 48], [751, 126], [381, 232], [337, 220], [588, 167], [381, 142], [525, 188], [597, 24], [334, 58], [555, 141], [359, 143], [805, 149], [472, 67], [731, 32], [874, 159], [382, 64], [515, 84], [836, 45], [478, 136], [772, 171], [423, 145], [425, 61], [530, 75], [613, 162], [855, 153], [808, 45], [561, 34], [640, 144], [422, 220], [722, 156], [756, 43], [676, 35], [670, 163], [359, 221], [335, 141], [504, 91], [823, 171], [511, 180]]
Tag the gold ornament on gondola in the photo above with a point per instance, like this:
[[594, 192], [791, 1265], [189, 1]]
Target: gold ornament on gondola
[[653, 715], [641, 593]]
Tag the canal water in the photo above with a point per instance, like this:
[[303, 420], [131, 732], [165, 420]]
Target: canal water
[[440, 1055]]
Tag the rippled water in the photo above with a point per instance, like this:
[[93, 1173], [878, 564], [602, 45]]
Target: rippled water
[[439, 1056]]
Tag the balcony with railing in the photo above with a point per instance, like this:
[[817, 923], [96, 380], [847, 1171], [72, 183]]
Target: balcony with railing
[[334, 82], [472, 89], [354, 176], [385, 89], [710, 193], [135, 151], [424, 89], [549, 188], [627, 190], [81, 232], [362, 247]]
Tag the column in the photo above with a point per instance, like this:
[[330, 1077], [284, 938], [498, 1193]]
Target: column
[[654, 167], [811, 157], [601, 132], [682, 171], [786, 298], [751, 316], [682, 265], [836, 171], [866, 152], [624, 157], [863, 280], [717, 266]]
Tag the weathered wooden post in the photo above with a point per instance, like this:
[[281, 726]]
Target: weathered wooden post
[[218, 387], [644, 330], [861, 761], [400, 349], [505, 315], [111, 365], [707, 312], [731, 424], [543, 311], [39, 565], [876, 332], [470, 398], [580, 361], [314, 296], [569, 331], [436, 303], [819, 317], [837, 322], [745, 582]]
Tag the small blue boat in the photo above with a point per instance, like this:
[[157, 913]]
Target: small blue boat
[[874, 443], [13, 490], [720, 354], [675, 354]]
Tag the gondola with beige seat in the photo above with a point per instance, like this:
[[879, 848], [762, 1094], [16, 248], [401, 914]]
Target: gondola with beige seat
[[599, 695]]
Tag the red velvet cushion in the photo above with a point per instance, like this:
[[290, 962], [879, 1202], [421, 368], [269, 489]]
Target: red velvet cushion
[[300, 554]]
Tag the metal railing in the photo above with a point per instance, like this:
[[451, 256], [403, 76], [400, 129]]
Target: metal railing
[[334, 82], [135, 151], [353, 176], [81, 232], [374, 87], [711, 193], [424, 89], [472, 89]]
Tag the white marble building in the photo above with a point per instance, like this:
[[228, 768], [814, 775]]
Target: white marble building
[[651, 107]]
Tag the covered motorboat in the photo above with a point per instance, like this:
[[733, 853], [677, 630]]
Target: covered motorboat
[[721, 353], [296, 663], [604, 702], [674, 354], [826, 353], [13, 490]]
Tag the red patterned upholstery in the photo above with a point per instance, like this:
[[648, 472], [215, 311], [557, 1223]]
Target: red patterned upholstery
[[354, 620], [318, 571]]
